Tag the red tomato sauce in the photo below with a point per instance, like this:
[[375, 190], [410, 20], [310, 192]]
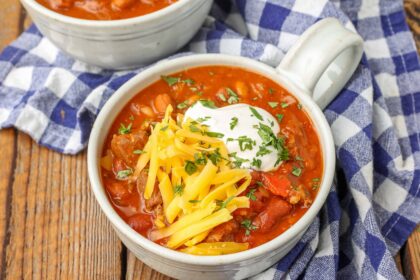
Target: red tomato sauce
[[105, 9], [278, 199]]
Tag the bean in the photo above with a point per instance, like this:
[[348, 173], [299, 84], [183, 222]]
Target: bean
[[122, 4], [147, 111], [162, 101], [241, 89]]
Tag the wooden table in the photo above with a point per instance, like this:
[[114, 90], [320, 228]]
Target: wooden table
[[50, 224]]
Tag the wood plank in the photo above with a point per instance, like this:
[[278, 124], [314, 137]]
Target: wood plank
[[138, 270], [58, 230], [411, 257], [10, 29]]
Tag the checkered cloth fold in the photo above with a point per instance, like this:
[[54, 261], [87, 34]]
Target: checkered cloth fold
[[374, 204]]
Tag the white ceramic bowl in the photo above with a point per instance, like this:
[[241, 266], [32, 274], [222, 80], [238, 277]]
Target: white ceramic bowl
[[253, 261], [126, 43]]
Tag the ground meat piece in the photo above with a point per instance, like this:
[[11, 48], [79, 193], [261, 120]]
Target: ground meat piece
[[124, 145], [276, 209], [155, 200], [223, 232]]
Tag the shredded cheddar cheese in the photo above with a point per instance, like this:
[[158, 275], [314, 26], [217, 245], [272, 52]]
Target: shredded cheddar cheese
[[199, 188]]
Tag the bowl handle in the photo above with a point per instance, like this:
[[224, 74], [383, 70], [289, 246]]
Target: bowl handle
[[323, 59]]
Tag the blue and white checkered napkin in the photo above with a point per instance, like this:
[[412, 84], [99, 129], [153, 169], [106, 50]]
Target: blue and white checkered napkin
[[375, 203]]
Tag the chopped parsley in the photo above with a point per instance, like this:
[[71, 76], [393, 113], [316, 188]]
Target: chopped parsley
[[182, 105], [138, 152], [194, 201], [247, 224], [315, 183], [170, 80], [123, 174], [222, 204], [237, 161], [255, 113], [233, 122], [296, 171], [214, 134], [125, 129], [215, 157], [179, 189], [256, 162], [263, 151], [203, 119], [194, 128], [233, 96], [279, 117], [164, 128], [222, 97], [259, 183], [245, 143], [208, 103], [190, 167], [188, 82], [284, 104], [200, 159], [251, 194], [270, 139], [271, 90], [273, 104]]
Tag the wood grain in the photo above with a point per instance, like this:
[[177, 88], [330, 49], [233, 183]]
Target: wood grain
[[50, 224]]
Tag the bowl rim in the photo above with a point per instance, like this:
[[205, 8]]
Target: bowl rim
[[143, 19], [189, 62]]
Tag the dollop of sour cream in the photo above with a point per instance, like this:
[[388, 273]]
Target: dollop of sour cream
[[239, 127]]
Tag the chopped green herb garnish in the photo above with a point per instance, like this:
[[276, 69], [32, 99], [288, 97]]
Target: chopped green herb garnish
[[164, 128], [123, 174], [298, 158], [251, 194], [179, 189], [214, 134], [255, 113], [297, 171], [125, 129], [273, 104], [194, 128], [203, 119], [215, 157], [247, 224], [245, 143], [271, 90], [194, 201], [233, 97], [138, 152], [315, 180], [200, 159], [263, 151], [259, 183], [182, 105], [131, 118], [208, 104], [237, 161], [170, 80], [188, 81], [190, 167], [221, 97], [222, 204], [233, 122], [279, 117], [284, 104], [256, 162], [299, 106]]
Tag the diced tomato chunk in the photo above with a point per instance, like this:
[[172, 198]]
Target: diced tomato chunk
[[277, 184], [140, 222], [276, 209], [118, 190]]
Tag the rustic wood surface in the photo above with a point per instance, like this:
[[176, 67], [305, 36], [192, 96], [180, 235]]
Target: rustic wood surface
[[50, 224]]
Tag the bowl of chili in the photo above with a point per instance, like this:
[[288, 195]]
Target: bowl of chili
[[179, 160], [118, 34]]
